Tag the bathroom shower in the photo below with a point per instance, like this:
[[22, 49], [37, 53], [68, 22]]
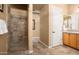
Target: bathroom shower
[[18, 30]]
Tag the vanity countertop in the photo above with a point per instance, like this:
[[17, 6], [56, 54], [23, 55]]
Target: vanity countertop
[[74, 32]]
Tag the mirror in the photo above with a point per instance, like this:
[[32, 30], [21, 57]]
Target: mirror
[[67, 23]]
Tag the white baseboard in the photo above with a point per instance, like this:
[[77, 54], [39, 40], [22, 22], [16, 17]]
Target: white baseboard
[[56, 44], [37, 39], [30, 51], [50, 47], [43, 44]]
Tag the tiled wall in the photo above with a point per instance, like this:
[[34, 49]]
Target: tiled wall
[[18, 30], [36, 32]]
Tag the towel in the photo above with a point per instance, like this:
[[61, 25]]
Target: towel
[[3, 27]]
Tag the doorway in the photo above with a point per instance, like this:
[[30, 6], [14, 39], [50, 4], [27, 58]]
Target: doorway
[[18, 27], [42, 11], [36, 25]]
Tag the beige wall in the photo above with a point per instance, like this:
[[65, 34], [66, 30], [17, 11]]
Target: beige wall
[[30, 31], [3, 14], [36, 32], [44, 25], [72, 8]]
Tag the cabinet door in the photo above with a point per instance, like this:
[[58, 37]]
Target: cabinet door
[[77, 41], [72, 40], [66, 38], [3, 45]]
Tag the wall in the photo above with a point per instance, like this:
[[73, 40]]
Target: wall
[[3, 14], [72, 8], [36, 32], [44, 25], [30, 31]]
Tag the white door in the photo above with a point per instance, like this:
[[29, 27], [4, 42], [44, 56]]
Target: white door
[[57, 23]]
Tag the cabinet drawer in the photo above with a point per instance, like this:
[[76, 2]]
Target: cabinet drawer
[[66, 38], [73, 40]]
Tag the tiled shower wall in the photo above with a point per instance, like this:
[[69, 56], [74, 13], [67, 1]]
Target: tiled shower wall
[[18, 30]]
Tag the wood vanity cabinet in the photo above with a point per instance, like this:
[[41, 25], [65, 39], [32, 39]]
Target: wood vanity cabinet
[[3, 44], [77, 41], [72, 40], [66, 38]]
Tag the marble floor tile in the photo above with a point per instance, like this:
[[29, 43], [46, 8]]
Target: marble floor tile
[[39, 49]]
